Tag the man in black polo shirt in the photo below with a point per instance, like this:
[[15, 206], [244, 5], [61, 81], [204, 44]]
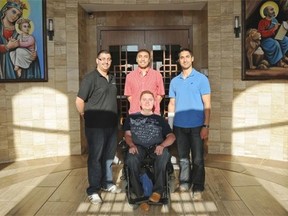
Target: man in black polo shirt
[[97, 104]]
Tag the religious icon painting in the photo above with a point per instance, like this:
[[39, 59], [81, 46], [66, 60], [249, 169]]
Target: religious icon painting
[[23, 41], [265, 40]]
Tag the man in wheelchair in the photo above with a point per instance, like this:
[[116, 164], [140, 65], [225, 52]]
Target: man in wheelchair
[[146, 131]]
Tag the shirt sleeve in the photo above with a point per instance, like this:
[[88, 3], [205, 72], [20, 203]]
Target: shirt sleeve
[[171, 89], [126, 125], [85, 89], [205, 86], [127, 87], [166, 128]]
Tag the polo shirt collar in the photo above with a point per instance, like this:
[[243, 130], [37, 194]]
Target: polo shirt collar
[[139, 70], [190, 75], [100, 75]]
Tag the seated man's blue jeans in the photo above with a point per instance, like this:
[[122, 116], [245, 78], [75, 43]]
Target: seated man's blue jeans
[[189, 140], [134, 162], [102, 144]]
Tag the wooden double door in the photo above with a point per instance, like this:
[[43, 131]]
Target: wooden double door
[[124, 44]]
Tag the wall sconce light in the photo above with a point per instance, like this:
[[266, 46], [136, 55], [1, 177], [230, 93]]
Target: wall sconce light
[[237, 26], [50, 29]]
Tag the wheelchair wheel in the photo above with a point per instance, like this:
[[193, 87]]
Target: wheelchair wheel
[[165, 200], [172, 183], [171, 177], [123, 183], [127, 185]]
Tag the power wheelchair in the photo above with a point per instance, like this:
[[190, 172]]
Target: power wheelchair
[[148, 167]]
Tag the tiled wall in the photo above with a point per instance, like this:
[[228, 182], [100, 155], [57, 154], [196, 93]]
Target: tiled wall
[[39, 119], [249, 118]]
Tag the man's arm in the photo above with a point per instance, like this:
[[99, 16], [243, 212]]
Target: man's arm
[[207, 107], [207, 110], [128, 139], [159, 98], [129, 98], [171, 112], [127, 87], [80, 105], [160, 89], [171, 105], [169, 140]]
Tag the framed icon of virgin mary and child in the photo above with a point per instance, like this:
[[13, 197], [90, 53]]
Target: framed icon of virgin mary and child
[[23, 41], [265, 40]]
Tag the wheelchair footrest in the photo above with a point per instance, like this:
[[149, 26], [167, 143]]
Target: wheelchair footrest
[[162, 201], [140, 200]]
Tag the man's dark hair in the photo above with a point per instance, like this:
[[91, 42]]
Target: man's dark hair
[[185, 49], [103, 51], [144, 50]]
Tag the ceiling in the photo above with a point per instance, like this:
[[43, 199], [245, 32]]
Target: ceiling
[[143, 7]]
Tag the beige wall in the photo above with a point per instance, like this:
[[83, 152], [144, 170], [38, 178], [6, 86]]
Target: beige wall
[[249, 118]]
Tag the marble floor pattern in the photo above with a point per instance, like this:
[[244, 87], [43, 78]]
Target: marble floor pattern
[[56, 186]]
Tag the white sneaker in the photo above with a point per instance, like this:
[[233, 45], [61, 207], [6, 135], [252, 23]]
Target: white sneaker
[[197, 196], [112, 189], [95, 199], [184, 187], [133, 206]]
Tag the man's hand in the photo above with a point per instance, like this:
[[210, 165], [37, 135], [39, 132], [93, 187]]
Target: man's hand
[[204, 133], [159, 150], [133, 149]]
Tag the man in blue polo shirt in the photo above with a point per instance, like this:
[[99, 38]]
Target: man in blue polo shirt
[[190, 105]]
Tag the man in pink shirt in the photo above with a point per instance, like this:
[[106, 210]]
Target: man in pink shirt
[[141, 79]]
